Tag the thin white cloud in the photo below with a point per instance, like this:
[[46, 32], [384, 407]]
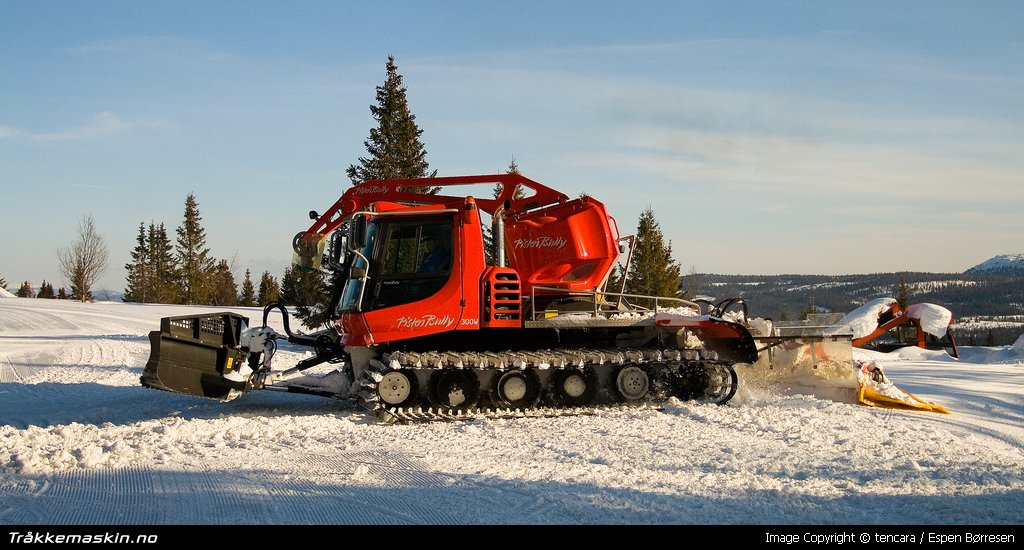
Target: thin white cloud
[[102, 125], [162, 46], [87, 186], [6, 132], [796, 165]]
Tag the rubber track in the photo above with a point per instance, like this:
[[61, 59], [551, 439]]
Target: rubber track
[[554, 359]]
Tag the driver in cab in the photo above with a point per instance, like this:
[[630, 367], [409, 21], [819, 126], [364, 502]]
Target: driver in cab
[[435, 257]]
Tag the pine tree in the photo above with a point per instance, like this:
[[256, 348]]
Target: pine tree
[[269, 290], [990, 340], [139, 277], [653, 271], [195, 266], [488, 232], [614, 283], [902, 293], [62, 294], [3, 283], [248, 296], [513, 168], [810, 309], [164, 281], [46, 291], [223, 290], [394, 146], [25, 290], [307, 291]]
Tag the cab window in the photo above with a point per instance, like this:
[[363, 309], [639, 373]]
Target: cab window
[[415, 261]]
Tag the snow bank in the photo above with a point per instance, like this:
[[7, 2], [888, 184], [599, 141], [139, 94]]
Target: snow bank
[[4, 293], [994, 355]]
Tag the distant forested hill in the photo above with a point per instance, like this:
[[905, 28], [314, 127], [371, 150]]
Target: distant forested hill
[[971, 296]]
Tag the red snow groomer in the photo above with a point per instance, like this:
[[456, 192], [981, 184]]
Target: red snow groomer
[[449, 305]]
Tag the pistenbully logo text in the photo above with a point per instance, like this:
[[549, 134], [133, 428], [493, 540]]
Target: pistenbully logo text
[[541, 242], [425, 321], [367, 189]]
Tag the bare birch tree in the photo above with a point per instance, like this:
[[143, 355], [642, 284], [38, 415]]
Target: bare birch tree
[[85, 261]]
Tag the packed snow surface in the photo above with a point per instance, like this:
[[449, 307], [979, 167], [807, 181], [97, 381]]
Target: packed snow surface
[[81, 442]]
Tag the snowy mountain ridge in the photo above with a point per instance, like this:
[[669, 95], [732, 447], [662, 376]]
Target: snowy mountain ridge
[[1002, 263]]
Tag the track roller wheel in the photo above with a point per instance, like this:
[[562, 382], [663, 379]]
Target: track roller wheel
[[575, 387], [398, 388], [632, 382], [516, 389], [707, 383], [455, 389], [722, 383]]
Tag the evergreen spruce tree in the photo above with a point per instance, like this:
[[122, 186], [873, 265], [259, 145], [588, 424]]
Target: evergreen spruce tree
[[248, 296], [3, 283], [25, 290], [139, 283], [488, 232], [990, 340], [807, 311], [653, 271], [46, 291], [223, 290], [307, 291], [614, 283], [269, 291], [513, 168], [62, 294], [164, 284], [394, 146], [195, 266], [902, 293]]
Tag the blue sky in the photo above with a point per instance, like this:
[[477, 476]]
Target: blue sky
[[768, 137]]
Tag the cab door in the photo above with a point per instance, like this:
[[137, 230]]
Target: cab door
[[414, 261]]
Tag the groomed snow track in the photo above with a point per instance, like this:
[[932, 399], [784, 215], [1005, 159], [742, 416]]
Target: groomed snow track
[[425, 386]]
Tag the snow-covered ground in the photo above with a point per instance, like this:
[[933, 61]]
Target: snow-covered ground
[[81, 442]]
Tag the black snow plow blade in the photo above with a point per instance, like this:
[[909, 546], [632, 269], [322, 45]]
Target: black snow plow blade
[[190, 354]]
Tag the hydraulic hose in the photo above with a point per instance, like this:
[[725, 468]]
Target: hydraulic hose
[[284, 316]]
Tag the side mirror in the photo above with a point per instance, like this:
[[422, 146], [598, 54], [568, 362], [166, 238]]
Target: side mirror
[[357, 233], [337, 248]]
